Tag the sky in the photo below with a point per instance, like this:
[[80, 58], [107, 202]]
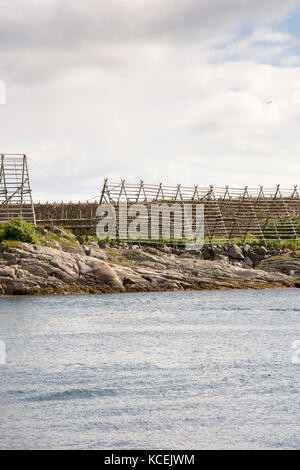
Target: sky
[[191, 92]]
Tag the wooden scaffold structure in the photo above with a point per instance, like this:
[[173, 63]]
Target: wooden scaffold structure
[[15, 191], [229, 213]]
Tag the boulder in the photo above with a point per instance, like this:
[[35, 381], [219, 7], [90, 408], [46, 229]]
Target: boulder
[[248, 262], [219, 257], [101, 243], [80, 240], [235, 252], [236, 262], [260, 250], [206, 252], [283, 264], [218, 253], [104, 273], [254, 257], [87, 250]]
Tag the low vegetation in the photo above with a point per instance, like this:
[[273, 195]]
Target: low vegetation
[[16, 231], [284, 227], [19, 230], [69, 240]]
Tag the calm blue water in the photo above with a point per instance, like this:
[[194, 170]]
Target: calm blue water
[[183, 370]]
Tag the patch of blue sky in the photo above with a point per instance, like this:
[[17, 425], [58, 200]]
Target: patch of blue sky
[[291, 23], [275, 52]]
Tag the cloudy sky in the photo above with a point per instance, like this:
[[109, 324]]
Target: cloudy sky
[[192, 92]]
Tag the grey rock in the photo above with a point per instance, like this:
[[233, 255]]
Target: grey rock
[[87, 250], [219, 257], [7, 271], [217, 253], [105, 273], [283, 264], [101, 243], [254, 257], [206, 252], [58, 231], [248, 262], [235, 252], [56, 244], [69, 249], [99, 254], [260, 250], [36, 269], [235, 262], [127, 281]]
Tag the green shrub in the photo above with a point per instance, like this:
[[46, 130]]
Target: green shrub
[[17, 229]]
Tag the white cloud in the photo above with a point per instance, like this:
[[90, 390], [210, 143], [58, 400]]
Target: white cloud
[[146, 90]]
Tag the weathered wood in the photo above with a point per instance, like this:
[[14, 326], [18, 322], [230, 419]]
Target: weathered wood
[[15, 190], [229, 212]]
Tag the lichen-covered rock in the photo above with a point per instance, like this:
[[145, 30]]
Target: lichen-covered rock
[[34, 269], [289, 265]]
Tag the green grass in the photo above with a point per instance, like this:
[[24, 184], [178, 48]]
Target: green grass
[[150, 242], [64, 241], [125, 264], [285, 226], [13, 243], [120, 263], [252, 240], [290, 244], [270, 229], [19, 230], [69, 240], [111, 252], [92, 238]]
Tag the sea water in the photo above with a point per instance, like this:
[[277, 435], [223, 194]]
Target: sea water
[[177, 370]]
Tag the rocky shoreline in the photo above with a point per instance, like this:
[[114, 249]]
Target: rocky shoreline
[[59, 267]]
